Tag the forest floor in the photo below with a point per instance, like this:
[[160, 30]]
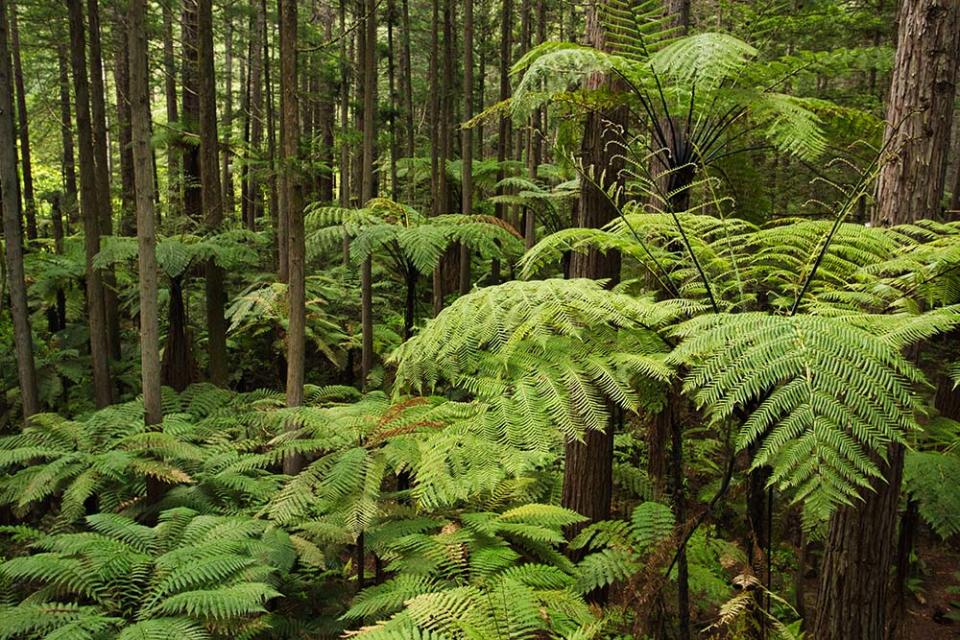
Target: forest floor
[[938, 594]]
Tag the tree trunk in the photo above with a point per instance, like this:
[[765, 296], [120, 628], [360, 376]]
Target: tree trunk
[[190, 112], [503, 141], [344, 186], [139, 110], [89, 201], [406, 82], [368, 182], [29, 200], [210, 193], [277, 209], [177, 369], [56, 219], [229, 206], [293, 200], [919, 112], [325, 115], [66, 133], [392, 85], [121, 70], [854, 577], [857, 555], [13, 241], [254, 151], [101, 157], [174, 184], [466, 144], [589, 464]]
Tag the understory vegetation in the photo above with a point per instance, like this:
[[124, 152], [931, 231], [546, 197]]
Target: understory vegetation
[[658, 342]]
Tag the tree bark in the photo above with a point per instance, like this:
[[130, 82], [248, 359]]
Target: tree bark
[[29, 200], [13, 241], [857, 555], [368, 181], [139, 109], [190, 111], [466, 144], [854, 577], [503, 141], [254, 152], [66, 134], [101, 157], [174, 183], [121, 73], [210, 192], [229, 206], [89, 202], [293, 200], [919, 113], [588, 465], [392, 87]]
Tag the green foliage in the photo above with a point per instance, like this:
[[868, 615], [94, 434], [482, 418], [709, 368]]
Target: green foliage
[[191, 575], [480, 575], [825, 393], [109, 457]]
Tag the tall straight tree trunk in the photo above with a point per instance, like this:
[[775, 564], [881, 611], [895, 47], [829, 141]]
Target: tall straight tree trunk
[[254, 151], [406, 86], [435, 103], [859, 550], [121, 75], [503, 140], [466, 181], [392, 85], [101, 157], [535, 141], [344, 187], [174, 183], [13, 241], [89, 202], [588, 466], [293, 200], [66, 134], [229, 206], [922, 92], [29, 200], [139, 108], [210, 192], [277, 211], [325, 113], [368, 181], [190, 111]]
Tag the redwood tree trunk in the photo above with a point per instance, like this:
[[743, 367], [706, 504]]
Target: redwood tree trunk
[[139, 110], [466, 134], [919, 112], [170, 94], [587, 474], [66, 133], [190, 112], [13, 241], [293, 200], [210, 193], [29, 201], [101, 157], [367, 180], [89, 201], [854, 577]]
